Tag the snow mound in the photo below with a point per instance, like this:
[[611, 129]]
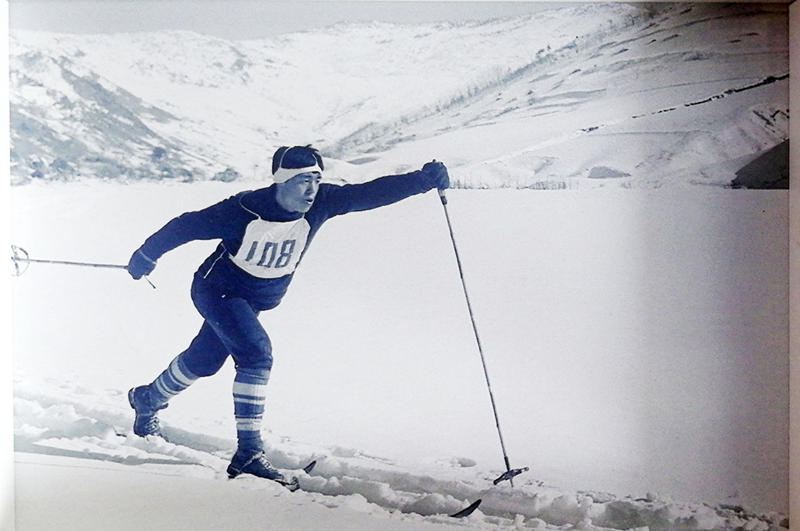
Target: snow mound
[[91, 426]]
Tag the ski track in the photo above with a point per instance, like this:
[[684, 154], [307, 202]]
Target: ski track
[[73, 421]]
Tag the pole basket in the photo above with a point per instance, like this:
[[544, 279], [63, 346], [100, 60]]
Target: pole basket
[[20, 260], [509, 475]]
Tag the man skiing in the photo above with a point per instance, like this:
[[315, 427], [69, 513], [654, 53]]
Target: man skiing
[[264, 234]]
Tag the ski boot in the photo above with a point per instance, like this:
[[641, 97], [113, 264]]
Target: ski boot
[[146, 421], [254, 462]]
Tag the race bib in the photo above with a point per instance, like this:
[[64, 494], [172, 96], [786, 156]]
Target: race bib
[[271, 249]]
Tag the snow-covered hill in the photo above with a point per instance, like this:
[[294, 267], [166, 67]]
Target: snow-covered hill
[[570, 97]]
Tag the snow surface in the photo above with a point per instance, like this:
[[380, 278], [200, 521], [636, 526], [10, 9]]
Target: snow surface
[[635, 339], [633, 311]]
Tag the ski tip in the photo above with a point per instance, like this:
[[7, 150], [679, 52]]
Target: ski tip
[[468, 510], [309, 467]]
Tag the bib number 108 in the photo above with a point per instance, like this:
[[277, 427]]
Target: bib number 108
[[271, 256]]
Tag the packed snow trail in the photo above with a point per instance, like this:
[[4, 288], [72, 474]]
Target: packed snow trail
[[89, 425]]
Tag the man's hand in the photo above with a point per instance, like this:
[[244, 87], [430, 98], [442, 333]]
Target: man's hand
[[140, 265], [437, 173]]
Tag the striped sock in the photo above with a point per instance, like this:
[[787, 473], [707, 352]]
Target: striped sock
[[249, 397], [171, 382]]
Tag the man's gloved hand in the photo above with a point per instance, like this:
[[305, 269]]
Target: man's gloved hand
[[140, 265], [437, 173]]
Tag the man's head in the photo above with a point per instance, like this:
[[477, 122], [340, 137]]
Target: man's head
[[297, 172]]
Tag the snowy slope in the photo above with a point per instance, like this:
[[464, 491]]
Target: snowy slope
[[583, 79], [633, 374]]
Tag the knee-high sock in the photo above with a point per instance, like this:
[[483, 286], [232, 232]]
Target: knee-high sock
[[249, 397], [172, 381]]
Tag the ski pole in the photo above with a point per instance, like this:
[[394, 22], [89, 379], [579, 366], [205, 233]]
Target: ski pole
[[18, 254], [509, 473]]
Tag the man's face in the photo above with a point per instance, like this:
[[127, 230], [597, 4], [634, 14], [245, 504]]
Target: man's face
[[298, 193]]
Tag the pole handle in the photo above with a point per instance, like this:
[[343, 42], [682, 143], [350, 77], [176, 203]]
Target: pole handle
[[442, 196]]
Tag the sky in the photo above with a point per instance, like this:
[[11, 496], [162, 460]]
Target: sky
[[243, 19]]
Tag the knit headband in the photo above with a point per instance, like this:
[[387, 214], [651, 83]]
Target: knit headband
[[282, 175]]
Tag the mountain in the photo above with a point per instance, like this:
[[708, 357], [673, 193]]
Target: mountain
[[637, 94]]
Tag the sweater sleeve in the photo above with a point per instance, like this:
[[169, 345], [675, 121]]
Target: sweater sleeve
[[376, 193], [207, 224]]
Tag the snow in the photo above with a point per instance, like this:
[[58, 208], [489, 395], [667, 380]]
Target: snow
[[637, 389], [590, 76], [633, 310]]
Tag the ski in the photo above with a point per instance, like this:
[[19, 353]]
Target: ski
[[309, 467], [468, 510], [291, 484], [294, 484]]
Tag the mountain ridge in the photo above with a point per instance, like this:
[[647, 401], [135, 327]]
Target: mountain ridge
[[180, 105]]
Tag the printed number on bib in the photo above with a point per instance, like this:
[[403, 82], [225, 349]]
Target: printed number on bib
[[270, 252], [271, 249]]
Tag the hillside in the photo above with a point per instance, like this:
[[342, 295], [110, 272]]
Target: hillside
[[566, 98]]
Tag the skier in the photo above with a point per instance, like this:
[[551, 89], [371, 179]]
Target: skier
[[264, 234]]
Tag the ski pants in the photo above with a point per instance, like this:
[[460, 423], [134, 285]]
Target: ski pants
[[231, 328]]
